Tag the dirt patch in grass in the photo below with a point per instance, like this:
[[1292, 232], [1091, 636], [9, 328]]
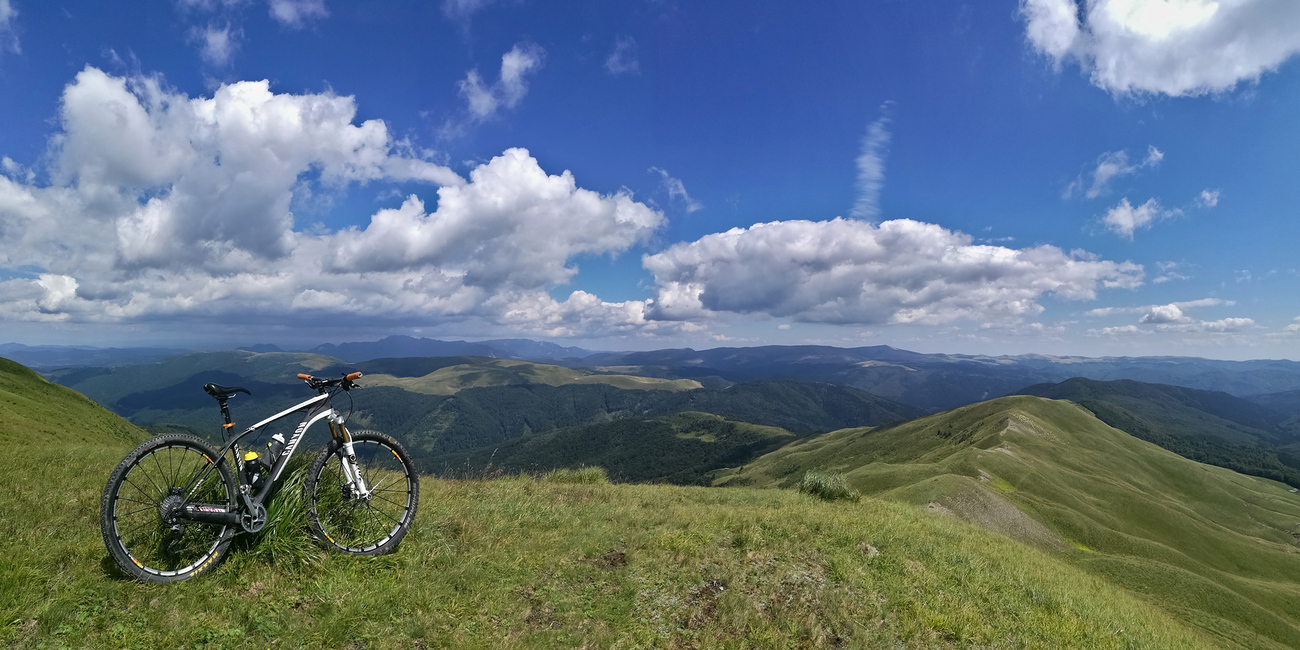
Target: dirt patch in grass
[[614, 559]]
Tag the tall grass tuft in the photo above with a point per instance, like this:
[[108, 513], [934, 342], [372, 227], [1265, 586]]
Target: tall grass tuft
[[827, 486], [286, 540], [586, 475]]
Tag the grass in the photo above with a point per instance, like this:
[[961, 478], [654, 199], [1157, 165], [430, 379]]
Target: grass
[[579, 476], [1215, 548], [517, 562], [827, 486], [285, 539]]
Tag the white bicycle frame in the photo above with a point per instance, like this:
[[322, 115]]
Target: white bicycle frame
[[316, 408]]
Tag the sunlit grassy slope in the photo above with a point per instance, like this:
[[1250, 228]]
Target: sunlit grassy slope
[[1216, 548], [506, 372], [523, 563]]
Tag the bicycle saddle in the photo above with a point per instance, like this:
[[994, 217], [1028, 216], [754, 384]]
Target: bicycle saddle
[[224, 392]]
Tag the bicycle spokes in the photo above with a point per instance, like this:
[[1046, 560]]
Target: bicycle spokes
[[361, 506], [147, 514]]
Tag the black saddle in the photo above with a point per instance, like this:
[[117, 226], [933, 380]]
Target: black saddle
[[223, 393]]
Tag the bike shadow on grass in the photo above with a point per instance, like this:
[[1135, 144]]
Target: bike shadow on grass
[[112, 571]]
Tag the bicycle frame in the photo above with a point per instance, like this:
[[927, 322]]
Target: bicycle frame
[[316, 408]]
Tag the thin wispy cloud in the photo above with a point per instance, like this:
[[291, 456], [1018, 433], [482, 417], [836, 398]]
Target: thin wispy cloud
[[298, 13], [676, 190], [217, 45], [484, 101], [8, 36], [463, 10], [871, 165], [623, 59], [219, 38], [1110, 165], [1170, 271]]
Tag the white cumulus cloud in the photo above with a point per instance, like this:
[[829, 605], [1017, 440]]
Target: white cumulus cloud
[[1124, 219], [848, 271], [167, 206], [1208, 198], [1174, 317], [1170, 47], [511, 224], [1157, 314]]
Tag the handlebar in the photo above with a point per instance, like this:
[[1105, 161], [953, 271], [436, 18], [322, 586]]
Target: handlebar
[[346, 382]]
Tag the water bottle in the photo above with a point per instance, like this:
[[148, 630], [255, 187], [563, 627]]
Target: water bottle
[[274, 449], [253, 469]]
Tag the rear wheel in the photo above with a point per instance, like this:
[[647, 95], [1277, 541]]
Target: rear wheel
[[138, 514], [371, 521]]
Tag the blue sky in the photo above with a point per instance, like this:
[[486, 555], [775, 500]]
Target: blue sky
[[1109, 177]]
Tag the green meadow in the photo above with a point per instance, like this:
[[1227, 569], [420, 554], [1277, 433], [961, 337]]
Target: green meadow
[[561, 560]]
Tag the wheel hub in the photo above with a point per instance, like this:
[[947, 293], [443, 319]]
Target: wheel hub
[[170, 507]]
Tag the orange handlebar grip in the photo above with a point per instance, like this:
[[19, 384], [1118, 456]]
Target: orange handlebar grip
[[354, 376], [302, 376]]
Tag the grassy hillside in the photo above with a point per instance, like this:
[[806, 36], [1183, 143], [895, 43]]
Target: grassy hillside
[[1206, 426], [37, 413], [526, 563], [1215, 548]]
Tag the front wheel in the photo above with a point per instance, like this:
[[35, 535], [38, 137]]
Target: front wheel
[[140, 513], [369, 516]]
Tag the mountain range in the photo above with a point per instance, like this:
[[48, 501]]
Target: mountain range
[[929, 381]]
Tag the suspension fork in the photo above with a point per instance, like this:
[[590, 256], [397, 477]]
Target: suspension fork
[[349, 458]]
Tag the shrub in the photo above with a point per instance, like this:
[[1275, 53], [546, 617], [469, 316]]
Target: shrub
[[589, 475], [827, 486]]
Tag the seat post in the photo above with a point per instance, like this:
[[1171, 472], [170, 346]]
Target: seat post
[[225, 416]]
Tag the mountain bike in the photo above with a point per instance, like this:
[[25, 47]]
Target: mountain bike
[[172, 507]]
